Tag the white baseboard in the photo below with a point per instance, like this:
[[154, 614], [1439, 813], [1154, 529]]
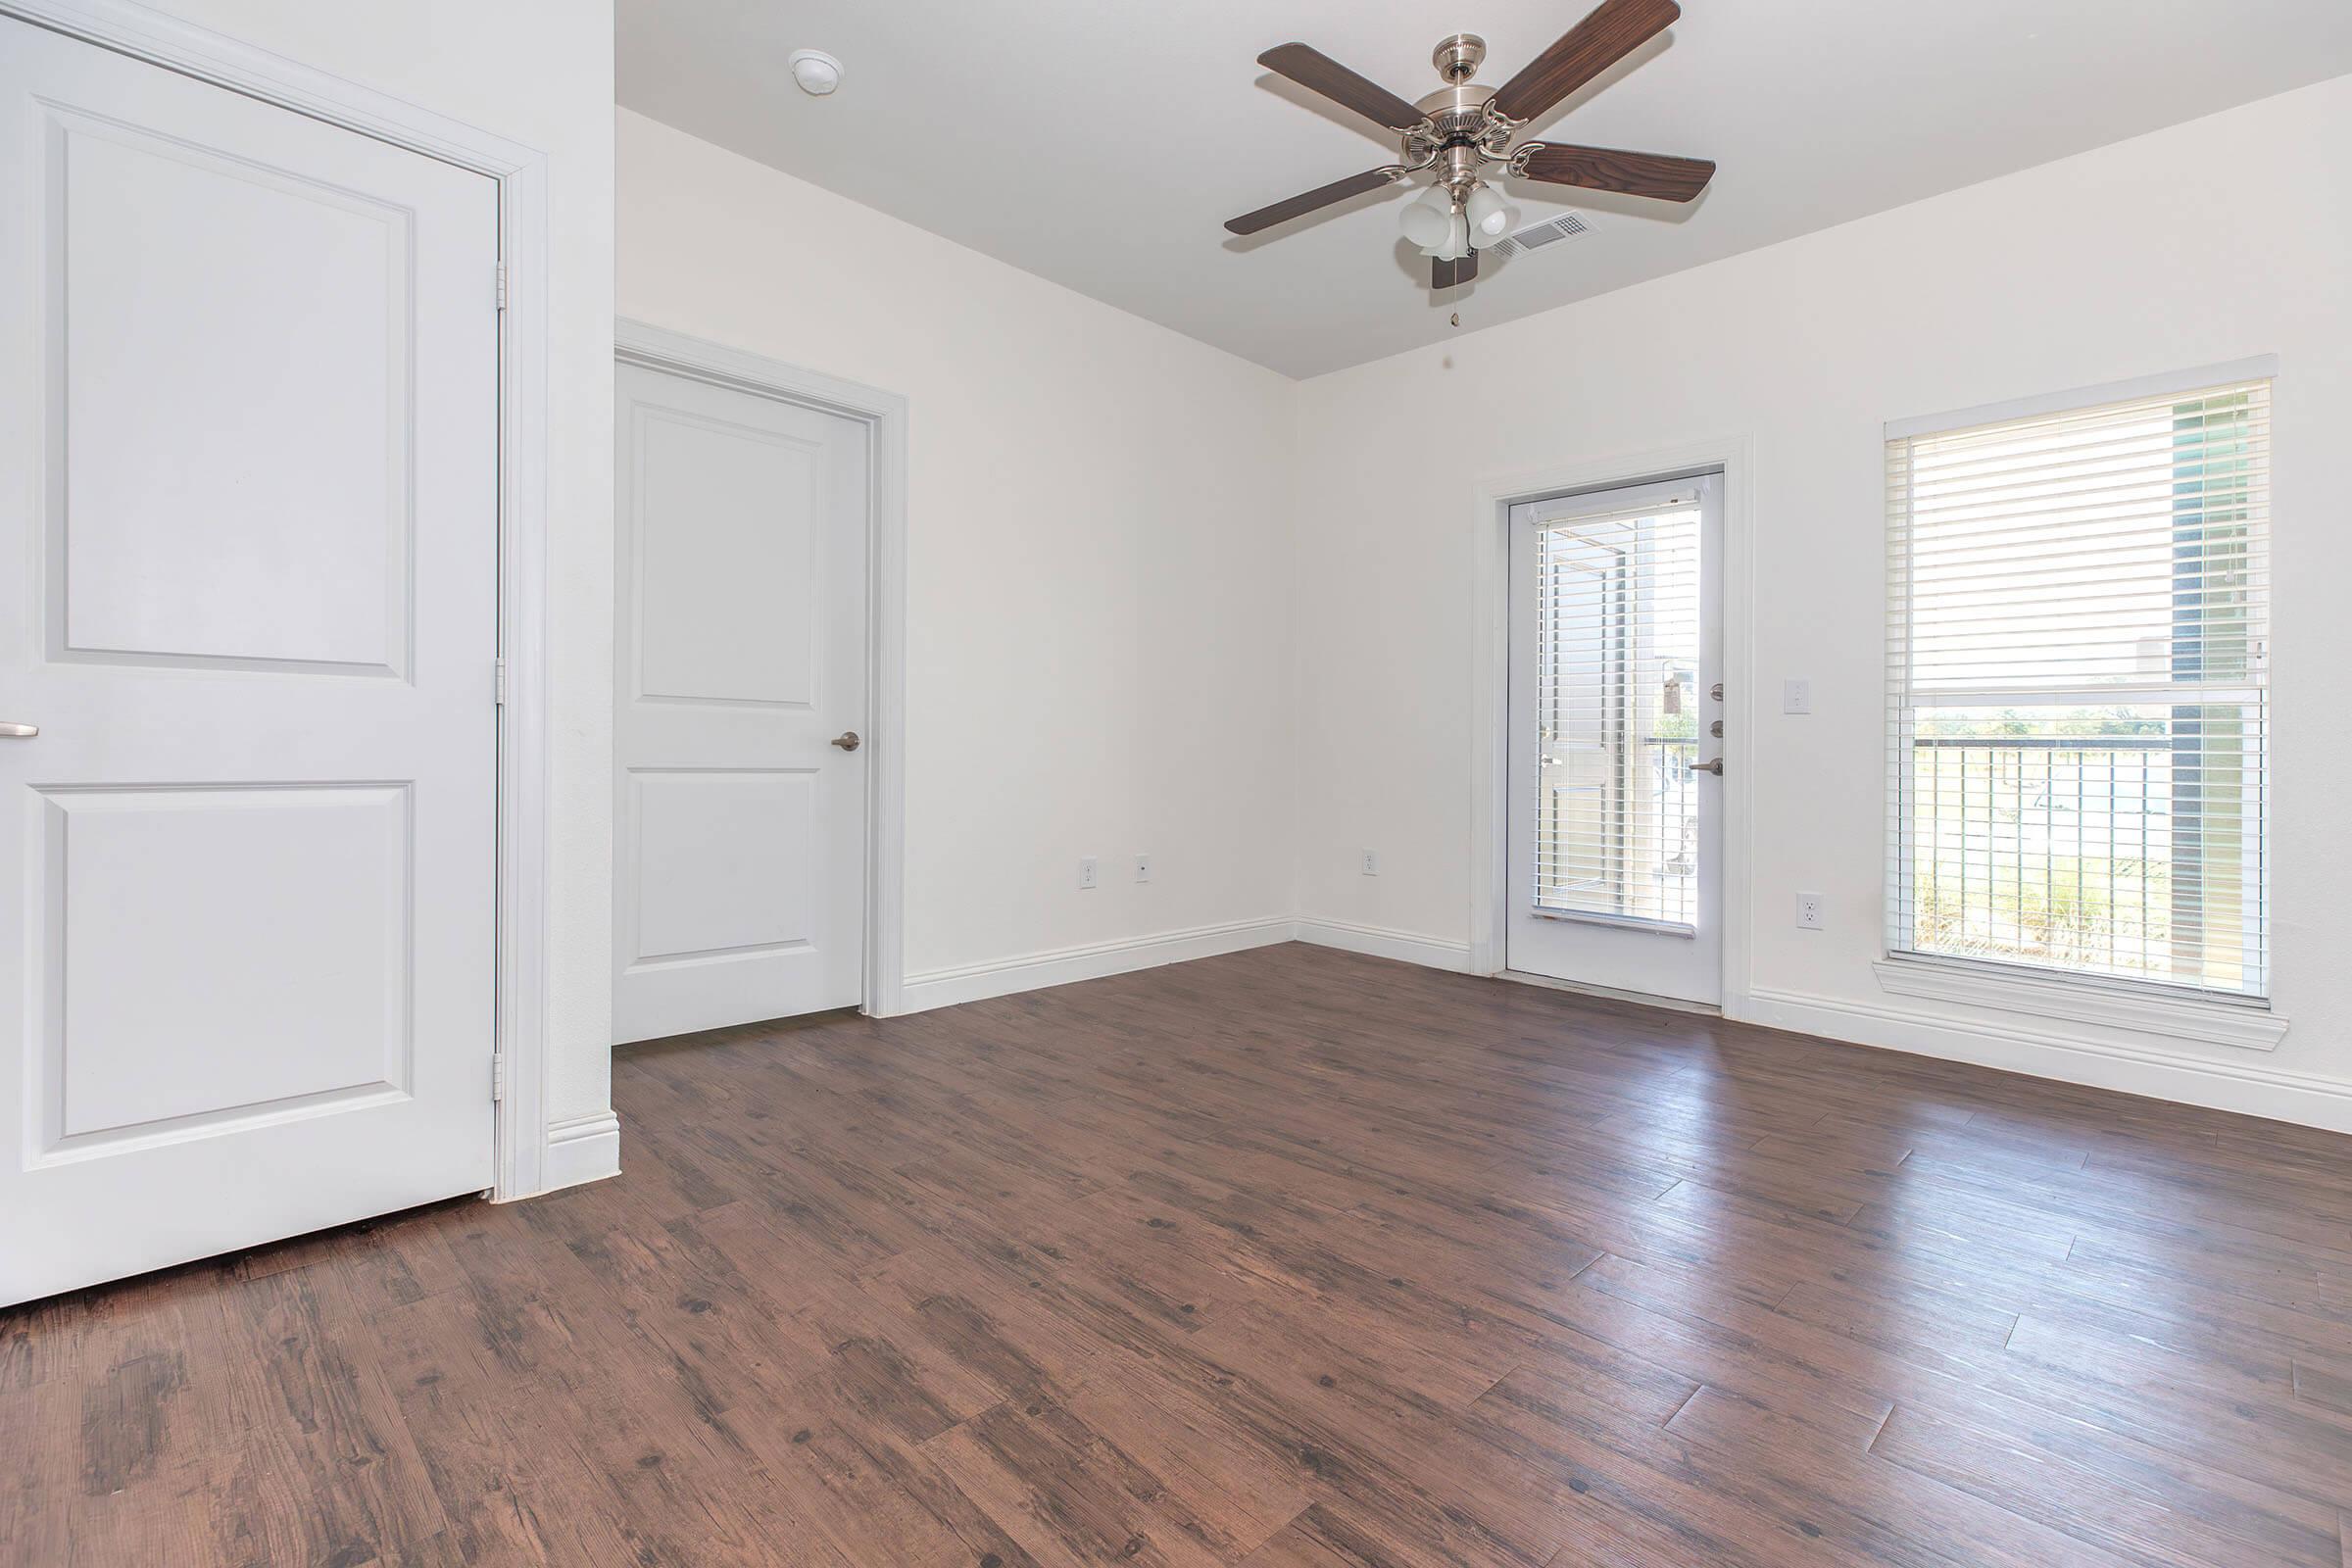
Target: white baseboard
[[2253, 1089], [2249, 1087], [585, 1148], [1032, 972], [1406, 947]]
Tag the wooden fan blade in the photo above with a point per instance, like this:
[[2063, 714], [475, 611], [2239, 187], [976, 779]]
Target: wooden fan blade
[[1614, 30], [1669, 179], [1446, 274], [1339, 190], [1316, 71]]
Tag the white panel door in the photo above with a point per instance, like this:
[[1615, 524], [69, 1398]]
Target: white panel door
[[248, 506], [739, 861], [1614, 870]]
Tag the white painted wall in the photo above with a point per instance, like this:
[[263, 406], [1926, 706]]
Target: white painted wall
[[2212, 241], [540, 73], [1099, 554]]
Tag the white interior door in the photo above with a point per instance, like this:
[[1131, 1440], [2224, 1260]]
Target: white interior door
[[248, 510], [739, 871], [1614, 863]]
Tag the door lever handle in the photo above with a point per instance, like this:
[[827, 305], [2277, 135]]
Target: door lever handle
[[19, 732], [1715, 767], [847, 740]]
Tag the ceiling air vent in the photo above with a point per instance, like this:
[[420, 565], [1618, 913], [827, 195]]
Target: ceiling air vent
[[1567, 226]]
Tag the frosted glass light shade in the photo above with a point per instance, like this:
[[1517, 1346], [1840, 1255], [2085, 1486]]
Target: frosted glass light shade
[[1424, 218], [1457, 240], [1491, 217]]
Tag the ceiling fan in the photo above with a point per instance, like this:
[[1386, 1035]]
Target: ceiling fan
[[1463, 126]]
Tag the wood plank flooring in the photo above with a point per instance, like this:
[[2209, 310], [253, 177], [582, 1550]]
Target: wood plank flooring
[[1289, 1258]]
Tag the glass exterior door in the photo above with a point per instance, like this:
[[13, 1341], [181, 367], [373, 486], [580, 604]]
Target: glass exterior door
[[1616, 712]]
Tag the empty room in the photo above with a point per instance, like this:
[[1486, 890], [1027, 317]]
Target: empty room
[[1023, 783]]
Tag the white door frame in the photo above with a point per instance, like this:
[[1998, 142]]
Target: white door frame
[[523, 742], [1491, 672], [884, 415]]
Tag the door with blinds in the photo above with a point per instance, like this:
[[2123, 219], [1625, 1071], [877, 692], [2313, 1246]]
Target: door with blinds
[[1614, 869]]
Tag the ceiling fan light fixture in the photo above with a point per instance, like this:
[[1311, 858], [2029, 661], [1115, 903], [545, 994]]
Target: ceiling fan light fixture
[[1491, 217], [1456, 244], [1426, 218]]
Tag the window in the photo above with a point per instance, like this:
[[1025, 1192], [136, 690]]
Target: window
[[2077, 698], [1617, 640]]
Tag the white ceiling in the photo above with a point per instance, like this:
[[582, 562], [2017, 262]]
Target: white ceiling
[[1102, 145]]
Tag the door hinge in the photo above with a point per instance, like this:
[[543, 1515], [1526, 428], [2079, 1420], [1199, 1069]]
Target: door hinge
[[498, 682], [501, 286], [498, 1078]]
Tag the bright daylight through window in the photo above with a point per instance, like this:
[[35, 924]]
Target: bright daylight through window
[[2078, 690], [1618, 635]]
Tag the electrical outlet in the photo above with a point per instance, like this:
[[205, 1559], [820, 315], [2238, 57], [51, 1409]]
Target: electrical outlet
[[1143, 868], [1371, 862], [1086, 871], [1796, 697], [1808, 911]]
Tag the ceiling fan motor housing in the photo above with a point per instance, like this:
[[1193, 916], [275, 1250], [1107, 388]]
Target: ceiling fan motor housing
[[1456, 114], [1459, 135]]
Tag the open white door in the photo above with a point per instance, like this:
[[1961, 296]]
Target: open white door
[[739, 866], [1614, 871], [248, 496]]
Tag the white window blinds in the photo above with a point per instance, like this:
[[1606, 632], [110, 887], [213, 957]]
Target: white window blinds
[[2078, 690], [1617, 617]]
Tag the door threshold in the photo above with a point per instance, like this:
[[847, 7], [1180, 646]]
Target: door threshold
[[1705, 1010]]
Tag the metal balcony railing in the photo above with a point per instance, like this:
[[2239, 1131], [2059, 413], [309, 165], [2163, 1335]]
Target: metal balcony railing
[[2112, 854]]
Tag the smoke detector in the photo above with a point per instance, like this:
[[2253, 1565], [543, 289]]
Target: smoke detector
[[817, 71]]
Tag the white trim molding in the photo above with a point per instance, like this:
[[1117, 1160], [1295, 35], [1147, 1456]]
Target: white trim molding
[[1406, 947], [522, 740], [1491, 674], [2220, 1023], [1034, 971], [2260, 367], [884, 414], [2252, 1088], [584, 1148]]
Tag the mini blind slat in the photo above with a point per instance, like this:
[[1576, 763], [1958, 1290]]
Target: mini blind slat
[[2077, 692]]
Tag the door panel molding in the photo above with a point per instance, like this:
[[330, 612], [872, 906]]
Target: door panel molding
[[884, 414], [524, 1138], [1489, 678]]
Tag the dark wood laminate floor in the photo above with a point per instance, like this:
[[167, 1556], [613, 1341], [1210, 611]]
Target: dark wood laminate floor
[[1291, 1258]]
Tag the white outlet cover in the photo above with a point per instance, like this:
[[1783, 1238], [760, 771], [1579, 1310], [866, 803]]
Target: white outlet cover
[[1086, 872], [1796, 697], [1371, 862], [1808, 911], [1143, 868]]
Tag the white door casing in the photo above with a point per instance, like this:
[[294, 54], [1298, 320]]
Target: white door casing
[[740, 653], [249, 396], [1583, 739]]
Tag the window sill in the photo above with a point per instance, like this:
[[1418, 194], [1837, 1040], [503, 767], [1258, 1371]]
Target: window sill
[[2220, 1023]]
